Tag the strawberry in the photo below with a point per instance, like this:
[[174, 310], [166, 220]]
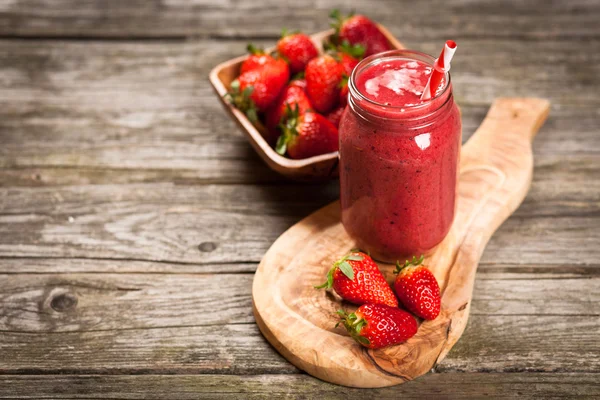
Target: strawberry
[[417, 289], [335, 116], [291, 96], [344, 92], [323, 76], [256, 59], [349, 55], [306, 135], [298, 49], [357, 279], [257, 89], [348, 64], [358, 29], [377, 325]]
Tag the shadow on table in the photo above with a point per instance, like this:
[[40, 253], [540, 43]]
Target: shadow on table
[[287, 197]]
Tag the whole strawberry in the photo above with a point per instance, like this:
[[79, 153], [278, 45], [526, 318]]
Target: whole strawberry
[[349, 56], [357, 279], [291, 96], [306, 135], [256, 59], [417, 289], [298, 49], [257, 89], [323, 76], [358, 29], [377, 325]]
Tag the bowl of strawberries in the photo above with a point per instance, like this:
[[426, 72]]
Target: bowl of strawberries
[[288, 100]]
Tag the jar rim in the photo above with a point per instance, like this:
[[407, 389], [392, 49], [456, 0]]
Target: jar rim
[[400, 53]]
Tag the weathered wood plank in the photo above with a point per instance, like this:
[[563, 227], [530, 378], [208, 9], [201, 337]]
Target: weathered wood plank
[[236, 223], [526, 343], [247, 169], [297, 386], [229, 349], [58, 265], [501, 343], [562, 185], [528, 240], [536, 294], [79, 303], [52, 265], [91, 302], [566, 182], [155, 18]]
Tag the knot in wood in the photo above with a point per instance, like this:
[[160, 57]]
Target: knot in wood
[[207, 247], [63, 302]]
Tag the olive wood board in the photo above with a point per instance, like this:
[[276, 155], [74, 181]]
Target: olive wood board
[[496, 168]]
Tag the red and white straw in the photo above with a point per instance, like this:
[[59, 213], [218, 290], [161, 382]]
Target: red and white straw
[[440, 67]]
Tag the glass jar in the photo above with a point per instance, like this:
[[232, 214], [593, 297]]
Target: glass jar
[[398, 156]]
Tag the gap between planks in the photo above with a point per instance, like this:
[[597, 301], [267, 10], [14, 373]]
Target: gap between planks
[[178, 38], [145, 266]]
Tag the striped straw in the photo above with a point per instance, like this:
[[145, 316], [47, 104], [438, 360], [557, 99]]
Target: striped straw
[[441, 66]]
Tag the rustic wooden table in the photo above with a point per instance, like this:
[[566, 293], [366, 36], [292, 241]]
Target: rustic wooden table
[[133, 213]]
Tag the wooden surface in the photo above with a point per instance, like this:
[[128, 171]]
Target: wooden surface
[[496, 169], [124, 185]]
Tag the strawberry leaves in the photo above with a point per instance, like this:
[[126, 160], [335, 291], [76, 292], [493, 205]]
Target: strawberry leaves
[[329, 283], [289, 127], [354, 50], [343, 266], [286, 32], [414, 262], [346, 269], [252, 49], [353, 325], [242, 100]]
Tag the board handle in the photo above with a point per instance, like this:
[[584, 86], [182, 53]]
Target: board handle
[[495, 178], [519, 116]]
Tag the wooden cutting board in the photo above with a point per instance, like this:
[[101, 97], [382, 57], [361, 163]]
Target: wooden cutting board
[[496, 167]]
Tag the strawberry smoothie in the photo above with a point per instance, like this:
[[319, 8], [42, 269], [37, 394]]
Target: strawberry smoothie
[[398, 156]]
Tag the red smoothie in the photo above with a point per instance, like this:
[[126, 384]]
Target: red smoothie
[[398, 156]]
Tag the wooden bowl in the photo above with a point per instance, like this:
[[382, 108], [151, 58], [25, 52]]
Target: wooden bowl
[[320, 167]]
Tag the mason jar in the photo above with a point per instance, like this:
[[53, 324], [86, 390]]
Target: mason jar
[[398, 156]]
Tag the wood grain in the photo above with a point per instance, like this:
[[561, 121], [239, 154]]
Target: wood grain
[[160, 222], [80, 303], [531, 20], [57, 302], [58, 265], [497, 385], [496, 169], [548, 344]]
